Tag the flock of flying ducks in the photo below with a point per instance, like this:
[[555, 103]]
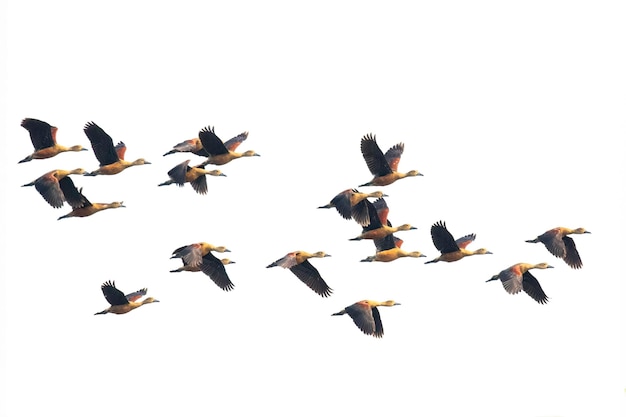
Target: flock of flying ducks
[[57, 188]]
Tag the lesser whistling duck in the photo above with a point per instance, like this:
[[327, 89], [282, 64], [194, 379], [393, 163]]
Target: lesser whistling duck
[[298, 263], [213, 267], [111, 157], [44, 139], [190, 145], [195, 175], [452, 250], [379, 225], [384, 167], [561, 245], [53, 186], [517, 277], [120, 303], [350, 205], [366, 316], [81, 206], [193, 254], [222, 153], [389, 249]]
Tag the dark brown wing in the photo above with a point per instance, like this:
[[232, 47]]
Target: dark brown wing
[[531, 287], [442, 238], [374, 157], [572, 258], [373, 215], [363, 317], [49, 188], [342, 203], [191, 254], [214, 268], [199, 184], [40, 133], [114, 296], [511, 279], [360, 212], [211, 143], [178, 174], [308, 274], [386, 243], [553, 243], [101, 143], [378, 324], [73, 196]]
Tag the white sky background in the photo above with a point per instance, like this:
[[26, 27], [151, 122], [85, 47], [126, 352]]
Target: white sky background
[[513, 113]]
